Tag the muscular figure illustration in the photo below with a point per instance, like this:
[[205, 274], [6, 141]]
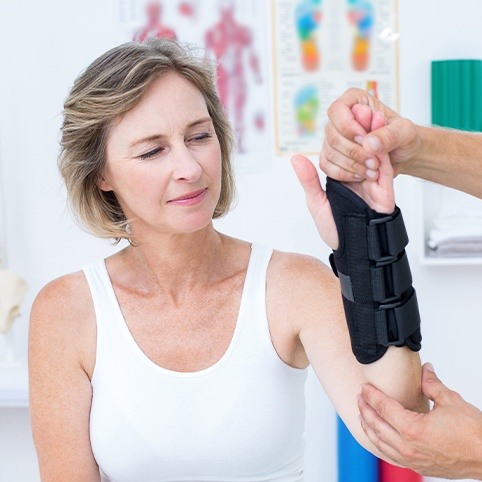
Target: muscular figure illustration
[[154, 27], [187, 9], [307, 20], [361, 17], [229, 41]]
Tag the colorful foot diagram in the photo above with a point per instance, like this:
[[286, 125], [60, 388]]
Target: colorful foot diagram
[[306, 105], [307, 20], [360, 15]]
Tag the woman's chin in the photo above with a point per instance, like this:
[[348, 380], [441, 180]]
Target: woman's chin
[[192, 223]]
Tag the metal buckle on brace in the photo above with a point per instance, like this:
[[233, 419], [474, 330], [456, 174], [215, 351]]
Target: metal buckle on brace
[[391, 306]]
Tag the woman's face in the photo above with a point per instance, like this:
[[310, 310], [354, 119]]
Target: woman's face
[[164, 160]]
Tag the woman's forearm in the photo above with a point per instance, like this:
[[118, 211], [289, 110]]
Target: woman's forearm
[[448, 157]]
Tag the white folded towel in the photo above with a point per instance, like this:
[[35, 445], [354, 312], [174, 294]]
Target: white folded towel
[[457, 227]]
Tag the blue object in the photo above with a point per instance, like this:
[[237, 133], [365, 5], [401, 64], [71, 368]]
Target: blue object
[[355, 464]]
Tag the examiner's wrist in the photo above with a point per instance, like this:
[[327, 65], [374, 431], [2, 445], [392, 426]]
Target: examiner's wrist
[[422, 150]]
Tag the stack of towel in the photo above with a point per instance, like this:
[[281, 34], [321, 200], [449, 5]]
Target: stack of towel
[[457, 227]]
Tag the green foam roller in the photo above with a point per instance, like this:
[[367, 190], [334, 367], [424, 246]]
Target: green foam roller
[[457, 94]]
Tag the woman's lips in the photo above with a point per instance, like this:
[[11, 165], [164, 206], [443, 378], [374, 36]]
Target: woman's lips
[[190, 198]]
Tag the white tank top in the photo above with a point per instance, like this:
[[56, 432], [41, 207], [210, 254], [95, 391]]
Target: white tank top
[[241, 419]]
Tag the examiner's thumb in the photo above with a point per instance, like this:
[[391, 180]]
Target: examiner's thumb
[[383, 140], [432, 387]]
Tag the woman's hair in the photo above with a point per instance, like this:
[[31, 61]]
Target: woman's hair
[[111, 86]]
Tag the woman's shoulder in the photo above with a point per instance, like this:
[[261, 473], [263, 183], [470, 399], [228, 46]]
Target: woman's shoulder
[[63, 291], [62, 303], [62, 323], [297, 280], [300, 290], [295, 267]]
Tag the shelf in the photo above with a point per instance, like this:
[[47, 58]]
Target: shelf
[[430, 197], [428, 260], [14, 399], [13, 385]]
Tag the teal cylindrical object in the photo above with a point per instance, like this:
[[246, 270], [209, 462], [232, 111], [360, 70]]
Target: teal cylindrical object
[[457, 94], [355, 464]]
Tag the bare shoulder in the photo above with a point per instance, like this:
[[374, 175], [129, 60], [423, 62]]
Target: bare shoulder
[[61, 358], [301, 274], [63, 298], [301, 291], [63, 315]]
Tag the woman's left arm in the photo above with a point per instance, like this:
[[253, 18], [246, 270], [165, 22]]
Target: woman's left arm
[[311, 301], [398, 372]]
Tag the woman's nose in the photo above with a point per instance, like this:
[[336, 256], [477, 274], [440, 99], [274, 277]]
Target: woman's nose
[[186, 166]]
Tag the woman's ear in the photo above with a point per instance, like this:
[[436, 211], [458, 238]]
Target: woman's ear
[[104, 185]]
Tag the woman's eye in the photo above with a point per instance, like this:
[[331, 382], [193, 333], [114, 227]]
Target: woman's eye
[[152, 153], [201, 137]]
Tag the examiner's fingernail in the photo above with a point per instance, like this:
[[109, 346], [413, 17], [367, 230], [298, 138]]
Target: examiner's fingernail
[[371, 174], [357, 176], [359, 139], [429, 367], [373, 144], [371, 163]]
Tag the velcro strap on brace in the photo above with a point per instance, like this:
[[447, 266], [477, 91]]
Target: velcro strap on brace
[[376, 283]]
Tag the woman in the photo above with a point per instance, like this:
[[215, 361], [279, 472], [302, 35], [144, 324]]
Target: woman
[[184, 355]]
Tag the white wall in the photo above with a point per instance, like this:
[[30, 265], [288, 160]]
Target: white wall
[[46, 44]]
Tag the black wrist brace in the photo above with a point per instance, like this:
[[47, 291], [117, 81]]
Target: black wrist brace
[[376, 284]]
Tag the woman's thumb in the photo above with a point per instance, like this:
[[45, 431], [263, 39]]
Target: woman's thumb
[[309, 180]]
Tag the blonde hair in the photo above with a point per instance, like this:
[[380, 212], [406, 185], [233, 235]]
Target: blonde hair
[[111, 86]]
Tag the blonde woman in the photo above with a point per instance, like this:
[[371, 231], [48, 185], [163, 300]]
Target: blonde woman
[[183, 356]]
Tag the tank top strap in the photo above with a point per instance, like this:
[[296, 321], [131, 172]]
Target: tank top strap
[[255, 285], [253, 309], [103, 295], [110, 324]]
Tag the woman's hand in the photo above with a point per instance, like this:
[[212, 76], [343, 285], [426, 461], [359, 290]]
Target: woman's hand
[[378, 194]]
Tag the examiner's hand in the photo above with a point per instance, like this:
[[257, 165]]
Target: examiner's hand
[[378, 194], [446, 442], [350, 149]]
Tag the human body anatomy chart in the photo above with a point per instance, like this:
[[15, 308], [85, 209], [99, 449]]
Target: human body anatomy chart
[[233, 33]]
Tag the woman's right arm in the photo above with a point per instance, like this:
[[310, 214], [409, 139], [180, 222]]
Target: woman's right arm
[[61, 340]]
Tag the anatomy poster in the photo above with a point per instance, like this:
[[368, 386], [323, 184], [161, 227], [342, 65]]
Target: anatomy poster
[[321, 48], [233, 32]]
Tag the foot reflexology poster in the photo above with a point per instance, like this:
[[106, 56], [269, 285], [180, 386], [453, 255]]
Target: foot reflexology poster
[[321, 48]]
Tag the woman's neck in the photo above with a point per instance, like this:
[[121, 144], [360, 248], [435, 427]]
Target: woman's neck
[[177, 263]]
